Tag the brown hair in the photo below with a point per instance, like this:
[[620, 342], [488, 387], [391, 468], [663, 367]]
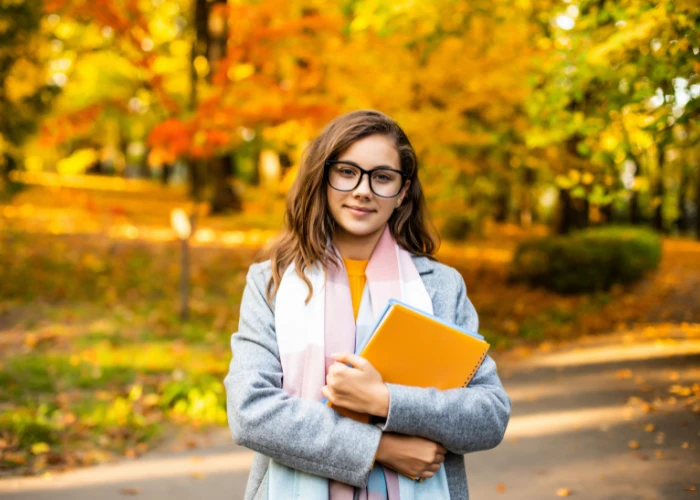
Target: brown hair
[[308, 230]]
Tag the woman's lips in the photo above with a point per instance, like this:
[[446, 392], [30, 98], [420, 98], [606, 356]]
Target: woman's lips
[[359, 212]]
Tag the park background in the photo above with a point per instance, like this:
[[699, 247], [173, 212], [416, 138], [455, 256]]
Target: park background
[[558, 144]]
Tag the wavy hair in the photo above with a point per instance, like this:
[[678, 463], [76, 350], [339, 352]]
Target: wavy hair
[[307, 234]]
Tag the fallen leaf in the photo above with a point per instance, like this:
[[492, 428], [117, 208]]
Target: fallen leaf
[[690, 488], [634, 445], [198, 475], [501, 488], [650, 428], [680, 390], [130, 491], [563, 492], [659, 454], [623, 374], [660, 438]]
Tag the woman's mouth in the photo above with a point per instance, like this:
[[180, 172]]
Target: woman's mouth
[[359, 211]]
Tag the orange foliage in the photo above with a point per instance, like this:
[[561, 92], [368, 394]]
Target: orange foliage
[[174, 133], [56, 130]]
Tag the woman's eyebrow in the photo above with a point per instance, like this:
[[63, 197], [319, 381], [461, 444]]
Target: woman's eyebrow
[[376, 166]]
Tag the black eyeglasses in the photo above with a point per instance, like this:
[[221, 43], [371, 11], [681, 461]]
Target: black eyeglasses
[[346, 176]]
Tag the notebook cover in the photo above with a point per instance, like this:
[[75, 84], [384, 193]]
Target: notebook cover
[[411, 347]]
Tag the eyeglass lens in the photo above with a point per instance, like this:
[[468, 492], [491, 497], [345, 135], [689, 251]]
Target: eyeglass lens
[[384, 182]]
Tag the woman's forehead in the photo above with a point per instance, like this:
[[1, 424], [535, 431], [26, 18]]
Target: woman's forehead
[[372, 151]]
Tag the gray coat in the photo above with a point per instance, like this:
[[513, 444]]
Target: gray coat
[[311, 437]]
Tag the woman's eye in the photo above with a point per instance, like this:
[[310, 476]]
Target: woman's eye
[[347, 171], [383, 178]]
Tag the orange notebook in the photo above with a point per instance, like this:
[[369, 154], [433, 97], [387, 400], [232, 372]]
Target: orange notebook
[[410, 347]]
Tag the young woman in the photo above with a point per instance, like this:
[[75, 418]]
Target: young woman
[[354, 237]]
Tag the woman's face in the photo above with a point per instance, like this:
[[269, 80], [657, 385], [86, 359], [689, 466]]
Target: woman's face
[[361, 214]]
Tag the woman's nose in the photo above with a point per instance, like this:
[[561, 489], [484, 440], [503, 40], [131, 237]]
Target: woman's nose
[[363, 188]]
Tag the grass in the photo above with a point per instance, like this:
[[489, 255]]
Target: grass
[[94, 355]]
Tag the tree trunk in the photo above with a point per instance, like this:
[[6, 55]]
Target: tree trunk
[[502, 203], [697, 208], [224, 198], [256, 150], [635, 217], [682, 222], [165, 173], [196, 180], [582, 209], [607, 213], [199, 46], [566, 213], [659, 190], [529, 177], [211, 37]]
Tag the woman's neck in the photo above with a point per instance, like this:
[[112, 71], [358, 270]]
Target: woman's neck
[[355, 247]]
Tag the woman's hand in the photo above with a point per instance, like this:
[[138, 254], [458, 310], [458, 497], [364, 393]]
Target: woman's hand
[[358, 387], [410, 455]]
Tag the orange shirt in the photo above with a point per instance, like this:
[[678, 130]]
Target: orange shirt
[[356, 277]]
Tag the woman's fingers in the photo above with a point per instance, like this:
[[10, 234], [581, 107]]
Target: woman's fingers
[[429, 471]]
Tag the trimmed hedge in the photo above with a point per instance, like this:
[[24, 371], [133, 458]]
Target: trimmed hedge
[[587, 261]]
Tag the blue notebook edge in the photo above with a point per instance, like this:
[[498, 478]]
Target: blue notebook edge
[[392, 302]]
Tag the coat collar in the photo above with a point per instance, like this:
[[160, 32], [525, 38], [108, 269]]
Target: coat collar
[[423, 264]]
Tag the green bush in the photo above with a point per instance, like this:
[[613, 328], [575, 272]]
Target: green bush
[[587, 261], [458, 227]]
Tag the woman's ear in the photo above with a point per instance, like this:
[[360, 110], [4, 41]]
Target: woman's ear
[[402, 196]]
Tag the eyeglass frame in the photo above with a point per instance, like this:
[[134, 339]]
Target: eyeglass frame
[[329, 163]]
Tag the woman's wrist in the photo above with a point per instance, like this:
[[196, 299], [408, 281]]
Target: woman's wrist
[[380, 406], [384, 450]]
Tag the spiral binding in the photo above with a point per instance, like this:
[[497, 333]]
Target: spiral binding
[[471, 375]]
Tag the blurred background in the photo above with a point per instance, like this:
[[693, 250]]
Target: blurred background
[[146, 147]]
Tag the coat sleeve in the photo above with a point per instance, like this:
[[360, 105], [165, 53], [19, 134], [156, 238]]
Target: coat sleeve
[[462, 420], [301, 434]]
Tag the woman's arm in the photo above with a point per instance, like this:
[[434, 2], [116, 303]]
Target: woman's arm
[[462, 420], [304, 435]]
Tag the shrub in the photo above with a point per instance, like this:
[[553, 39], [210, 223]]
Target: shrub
[[458, 227], [587, 261]]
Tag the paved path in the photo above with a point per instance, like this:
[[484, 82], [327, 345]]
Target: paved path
[[603, 418]]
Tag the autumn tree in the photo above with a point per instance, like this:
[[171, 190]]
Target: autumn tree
[[25, 93], [616, 87]]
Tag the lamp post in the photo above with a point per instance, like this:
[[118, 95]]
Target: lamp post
[[183, 226]]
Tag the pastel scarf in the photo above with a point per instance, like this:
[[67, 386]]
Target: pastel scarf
[[307, 334]]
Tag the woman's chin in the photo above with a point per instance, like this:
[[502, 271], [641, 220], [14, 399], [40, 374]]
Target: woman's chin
[[361, 230]]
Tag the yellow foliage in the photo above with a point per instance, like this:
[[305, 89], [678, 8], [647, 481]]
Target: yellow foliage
[[23, 80], [240, 72], [77, 163]]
